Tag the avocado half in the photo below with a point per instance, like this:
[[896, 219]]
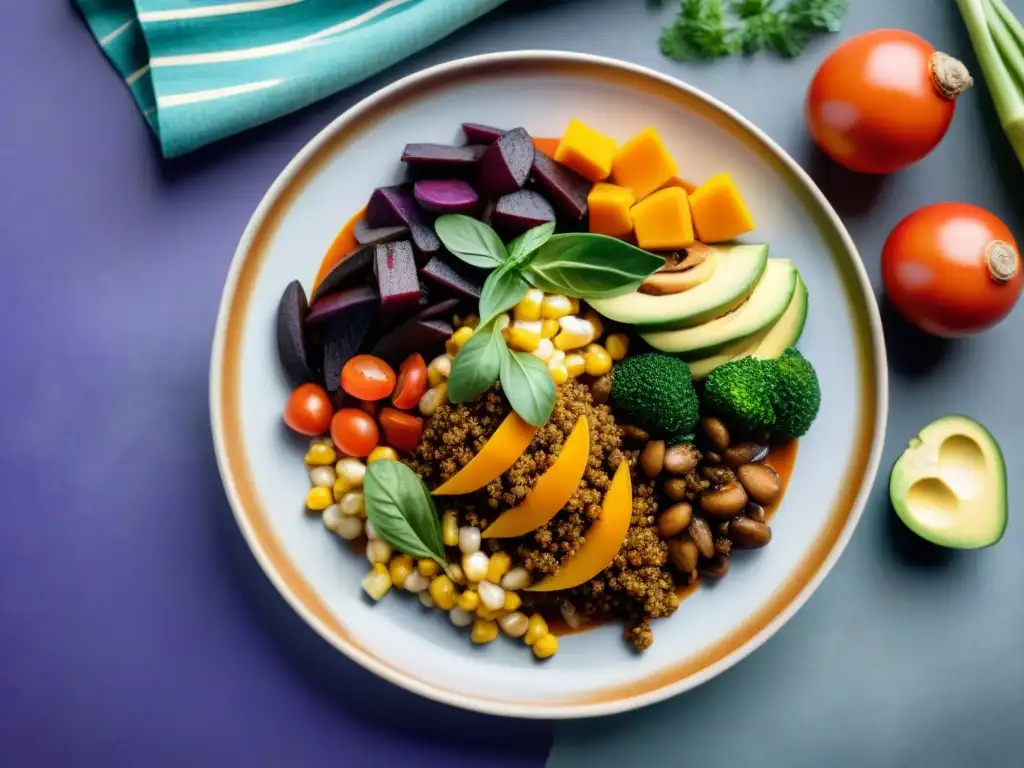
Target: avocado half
[[949, 485]]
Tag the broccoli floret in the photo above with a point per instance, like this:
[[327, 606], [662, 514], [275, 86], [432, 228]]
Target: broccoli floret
[[740, 392], [656, 392], [797, 395]]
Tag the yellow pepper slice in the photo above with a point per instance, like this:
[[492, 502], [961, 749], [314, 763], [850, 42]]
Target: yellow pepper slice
[[500, 452]]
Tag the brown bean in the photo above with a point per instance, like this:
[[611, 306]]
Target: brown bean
[[723, 503], [716, 432], [634, 433], [700, 532], [717, 475], [684, 554], [652, 458], [754, 511], [761, 481], [715, 568], [675, 520], [749, 534], [713, 456], [675, 488], [746, 452], [682, 458], [601, 389]]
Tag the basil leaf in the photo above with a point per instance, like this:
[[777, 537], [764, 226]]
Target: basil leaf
[[528, 387], [528, 242], [588, 266], [502, 290], [399, 507], [471, 240], [477, 365]]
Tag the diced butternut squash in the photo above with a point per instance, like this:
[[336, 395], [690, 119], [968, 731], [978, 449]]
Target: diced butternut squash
[[719, 213], [662, 221], [586, 151], [602, 541], [643, 164], [499, 453], [552, 491], [609, 210]]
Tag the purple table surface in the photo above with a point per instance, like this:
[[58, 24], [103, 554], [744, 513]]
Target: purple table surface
[[135, 626]]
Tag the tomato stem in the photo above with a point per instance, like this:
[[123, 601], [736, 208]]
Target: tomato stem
[[1002, 260], [949, 76]]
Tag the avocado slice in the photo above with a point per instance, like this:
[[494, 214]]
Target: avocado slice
[[765, 306], [766, 345], [949, 485], [737, 270]]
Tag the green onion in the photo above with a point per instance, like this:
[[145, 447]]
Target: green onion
[[998, 40]]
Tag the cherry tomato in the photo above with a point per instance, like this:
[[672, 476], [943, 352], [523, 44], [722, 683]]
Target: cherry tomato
[[952, 269], [367, 378], [402, 430], [354, 432], [882, 100], [308, 410], [412, 382]]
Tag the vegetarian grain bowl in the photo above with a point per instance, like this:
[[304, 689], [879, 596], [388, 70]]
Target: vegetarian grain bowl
[[546, 386]]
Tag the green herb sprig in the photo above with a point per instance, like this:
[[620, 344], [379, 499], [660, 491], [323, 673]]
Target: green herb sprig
[[579, 265], [402, 512], [711, 29]]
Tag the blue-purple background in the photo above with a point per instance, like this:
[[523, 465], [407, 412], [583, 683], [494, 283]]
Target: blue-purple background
[[135, 627]]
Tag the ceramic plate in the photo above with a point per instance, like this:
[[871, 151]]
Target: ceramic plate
[[594, 673]]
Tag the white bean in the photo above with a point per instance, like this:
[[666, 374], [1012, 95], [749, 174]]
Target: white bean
[[469, 540], [516, 579], [322, 477], [491, 595]]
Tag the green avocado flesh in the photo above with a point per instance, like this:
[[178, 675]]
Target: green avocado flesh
[[768, 344], [766, 305], [949, 485], [738, 269]]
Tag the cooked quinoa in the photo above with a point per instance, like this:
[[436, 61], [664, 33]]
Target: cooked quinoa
[[638, 585]]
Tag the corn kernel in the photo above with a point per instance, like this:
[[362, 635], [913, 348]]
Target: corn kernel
[[456, 574], [460, 618], [425, 599], [522, 339], [575, 365], [512, 601], [322, 477], [537, 629], [449, 530], [433, 399], [318, 499], [545, 350], [469, 539], [530, 325], [468, 601], [483, 631], [545, 647], [475, 566], [351, 471], [554, 306], [469, 321], [559, 374], [400, 569], [617, 345], [514, 624], [382, 452], [442, 592], [439, 369], [498, 567], [516, 579], [529, 307], [598, 361], [321, 455], [352, 504], [548, 328], [428, 568], [574, 306], [490, 614], [459, 338], [595, 320], [379, 551], [416, 582], [576, 332], [377, 582], [491, 595]]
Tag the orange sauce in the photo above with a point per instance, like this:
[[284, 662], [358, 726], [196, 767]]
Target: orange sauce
[[345, 241]]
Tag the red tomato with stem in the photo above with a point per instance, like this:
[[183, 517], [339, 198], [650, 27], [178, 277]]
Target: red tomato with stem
[[952, 269], [308, 410], [412, 382], [367, 378], [354, 432], [883, 100], [402, 430]]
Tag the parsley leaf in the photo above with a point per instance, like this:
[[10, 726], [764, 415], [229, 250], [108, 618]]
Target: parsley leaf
[[699, 32]]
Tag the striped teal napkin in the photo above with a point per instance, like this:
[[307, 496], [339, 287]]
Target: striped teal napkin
[[201, 70]]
